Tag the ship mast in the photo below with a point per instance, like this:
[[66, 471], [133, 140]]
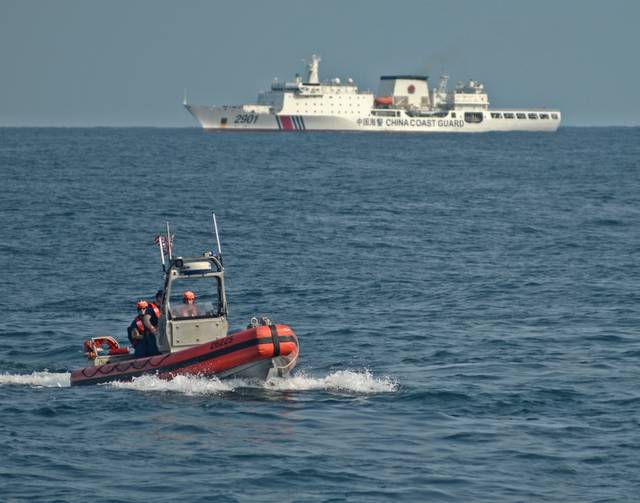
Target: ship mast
[[442, 85], [312, 66], [439, 94]]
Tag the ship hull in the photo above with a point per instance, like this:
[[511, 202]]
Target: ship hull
[[242, 118]]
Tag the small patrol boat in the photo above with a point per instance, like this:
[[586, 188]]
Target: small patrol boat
[[195, 341]]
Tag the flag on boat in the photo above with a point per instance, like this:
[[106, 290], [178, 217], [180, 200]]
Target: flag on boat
[[164, 242]]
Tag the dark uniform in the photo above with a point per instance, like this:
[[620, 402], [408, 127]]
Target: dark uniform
[[147, 345], [154, 314]]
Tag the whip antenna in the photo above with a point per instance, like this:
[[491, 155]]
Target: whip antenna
[[164, 267], [169, 244], [215, 229]]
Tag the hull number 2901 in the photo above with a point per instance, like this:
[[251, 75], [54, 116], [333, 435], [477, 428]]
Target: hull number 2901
[[246, 119]]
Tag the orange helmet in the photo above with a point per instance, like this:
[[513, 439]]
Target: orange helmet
[[142, 304], [189, 295]]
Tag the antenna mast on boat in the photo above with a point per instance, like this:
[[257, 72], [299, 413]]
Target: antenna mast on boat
[[164, 267], [215, 230], [169, 244]]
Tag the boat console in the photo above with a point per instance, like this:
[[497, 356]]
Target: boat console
[[205, 320]]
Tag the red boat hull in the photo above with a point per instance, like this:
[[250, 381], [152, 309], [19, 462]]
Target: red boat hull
[[223, 357]]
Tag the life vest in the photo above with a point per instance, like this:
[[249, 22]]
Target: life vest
[[139, 325], [154, 314], [155, 308]]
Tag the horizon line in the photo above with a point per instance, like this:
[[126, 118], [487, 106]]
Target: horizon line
[[200, 127]]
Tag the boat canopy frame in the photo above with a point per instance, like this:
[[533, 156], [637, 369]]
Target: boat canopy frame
[[181, 269]]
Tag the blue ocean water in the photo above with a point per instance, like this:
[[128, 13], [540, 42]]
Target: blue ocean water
[[467, 307]]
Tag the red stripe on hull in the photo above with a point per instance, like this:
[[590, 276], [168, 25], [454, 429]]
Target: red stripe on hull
[[287, 123]]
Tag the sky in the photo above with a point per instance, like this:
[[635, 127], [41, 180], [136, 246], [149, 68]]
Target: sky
[[128, 62]]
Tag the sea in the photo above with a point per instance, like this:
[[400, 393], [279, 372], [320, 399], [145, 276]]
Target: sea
[[467, 306]]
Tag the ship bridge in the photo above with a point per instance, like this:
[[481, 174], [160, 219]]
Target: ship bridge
[[470, 96], [313, 97]]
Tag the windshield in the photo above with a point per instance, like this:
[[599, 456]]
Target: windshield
[[206, 301]]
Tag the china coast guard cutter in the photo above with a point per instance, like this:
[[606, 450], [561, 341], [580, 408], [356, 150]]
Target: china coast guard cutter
[[404, 103]]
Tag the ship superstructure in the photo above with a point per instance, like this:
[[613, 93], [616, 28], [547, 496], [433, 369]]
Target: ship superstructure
[[404, 103]]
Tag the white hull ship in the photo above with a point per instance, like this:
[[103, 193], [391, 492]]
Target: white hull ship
[[404, 103]]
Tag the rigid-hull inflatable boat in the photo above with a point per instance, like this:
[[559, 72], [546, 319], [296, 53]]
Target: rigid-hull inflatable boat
[[194, 339]]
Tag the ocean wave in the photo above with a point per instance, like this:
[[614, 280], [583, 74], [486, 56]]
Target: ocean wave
[[42, 379]]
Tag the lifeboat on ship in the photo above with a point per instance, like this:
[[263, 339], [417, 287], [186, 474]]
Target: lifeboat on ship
[[384, 100], [195, 341]]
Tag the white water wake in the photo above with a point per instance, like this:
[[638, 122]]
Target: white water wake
[[346, 381], [342, 380], [358, 382], [37, 379], [188, 385]]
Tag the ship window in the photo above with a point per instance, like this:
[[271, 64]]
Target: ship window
[[208, 303], [473, 117], [223, 120], [533, 116], [495, 115], [509, 116], [453, 114], [554, 116], [544, 116], [521, 116]]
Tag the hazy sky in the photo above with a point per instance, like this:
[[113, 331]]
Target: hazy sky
[[127, 62]]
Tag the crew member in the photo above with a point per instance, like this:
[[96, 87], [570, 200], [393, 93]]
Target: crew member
[[154, 310], [189, 308], [142, 333]]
